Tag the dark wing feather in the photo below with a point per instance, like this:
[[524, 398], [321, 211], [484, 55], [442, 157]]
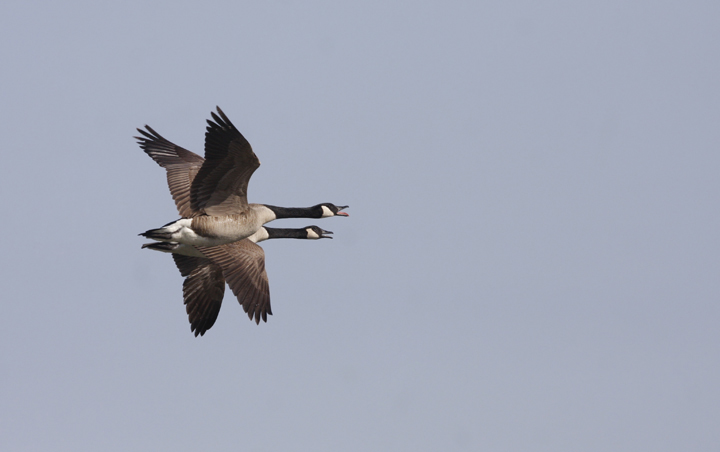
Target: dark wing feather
[[203, 291], [243, 266], [186, 264], [180, 164], [220, 187]]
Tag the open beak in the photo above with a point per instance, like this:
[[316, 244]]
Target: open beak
[[323, 232], [342, 214]]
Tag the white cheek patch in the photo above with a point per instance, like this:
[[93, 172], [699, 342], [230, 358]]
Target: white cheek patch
[[312, 235], [326, 212]]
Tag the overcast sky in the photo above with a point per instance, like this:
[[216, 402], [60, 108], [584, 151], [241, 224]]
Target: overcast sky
[[531, 261]]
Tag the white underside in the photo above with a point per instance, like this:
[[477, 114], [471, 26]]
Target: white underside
[[182, 232]]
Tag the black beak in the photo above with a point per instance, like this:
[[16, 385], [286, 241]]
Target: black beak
[[323, 232], [342, 214]]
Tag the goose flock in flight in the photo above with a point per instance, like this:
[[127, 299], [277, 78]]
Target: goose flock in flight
[[215, 240]]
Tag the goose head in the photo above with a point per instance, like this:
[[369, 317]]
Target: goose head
[[331, 210], [315, 233]]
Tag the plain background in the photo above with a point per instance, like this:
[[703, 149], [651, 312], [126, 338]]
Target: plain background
[[530, 263]]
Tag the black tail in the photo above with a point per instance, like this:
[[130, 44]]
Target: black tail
[[157, 234], [166, 247]]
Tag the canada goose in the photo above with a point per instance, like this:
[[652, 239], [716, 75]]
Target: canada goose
[[200, 292], [204, 285], [211, 194]]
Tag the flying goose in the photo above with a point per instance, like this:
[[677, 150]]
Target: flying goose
[[182, 166], [244, 270], [211, 194]]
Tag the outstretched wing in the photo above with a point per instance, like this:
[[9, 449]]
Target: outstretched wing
[[180, 164], [220, 187], [203, 291], [243, 266]]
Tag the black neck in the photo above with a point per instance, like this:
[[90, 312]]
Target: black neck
[[281, 233], [296, 212]]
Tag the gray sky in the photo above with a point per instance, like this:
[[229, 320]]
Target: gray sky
[[530, 263]]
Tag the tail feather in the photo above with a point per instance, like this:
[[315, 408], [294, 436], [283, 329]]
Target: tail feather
[[157, 234], [166, 247]]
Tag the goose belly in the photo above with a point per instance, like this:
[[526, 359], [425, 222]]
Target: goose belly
[[213, 231]]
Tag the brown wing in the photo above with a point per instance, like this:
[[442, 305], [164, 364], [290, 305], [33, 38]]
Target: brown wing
[[243, 266], [187, 264], [220, 187], [203, 291], [180, 164]]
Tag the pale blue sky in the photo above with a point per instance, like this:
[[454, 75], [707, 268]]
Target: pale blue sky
[[531, 260]]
